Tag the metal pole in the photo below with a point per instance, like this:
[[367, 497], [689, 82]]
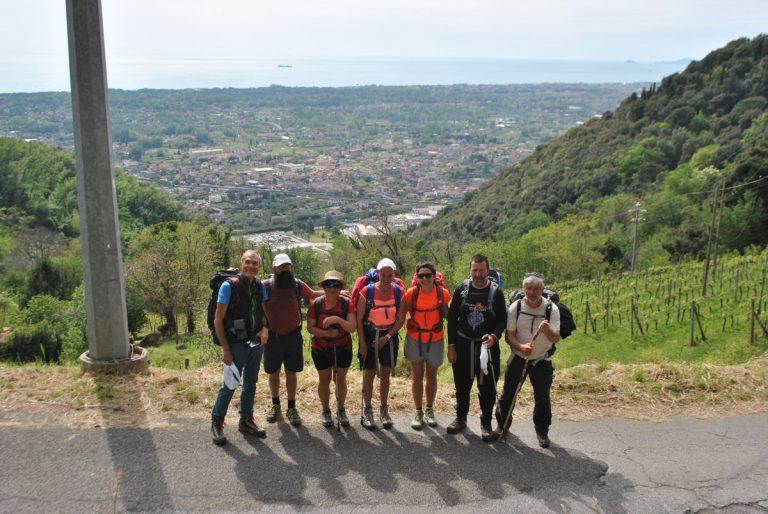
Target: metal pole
[[107, 325]]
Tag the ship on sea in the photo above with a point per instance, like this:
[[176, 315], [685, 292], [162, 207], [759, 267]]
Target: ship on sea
[[285, 65]]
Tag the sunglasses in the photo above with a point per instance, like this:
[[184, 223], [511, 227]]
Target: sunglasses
[[424, 275], [332, 284]]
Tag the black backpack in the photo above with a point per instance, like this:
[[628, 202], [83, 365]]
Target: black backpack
[[567, 323], [233, 276]]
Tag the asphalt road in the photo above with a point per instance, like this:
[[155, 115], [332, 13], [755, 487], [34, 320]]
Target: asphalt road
[[608, 465]]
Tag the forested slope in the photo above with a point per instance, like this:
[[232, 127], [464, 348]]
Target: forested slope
[[710, 118]]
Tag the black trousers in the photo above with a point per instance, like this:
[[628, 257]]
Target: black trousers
[[466, 369], [540, 376]]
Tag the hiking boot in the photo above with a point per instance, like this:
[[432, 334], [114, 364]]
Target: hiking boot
[[341, 415], [293, 417], [249, 426], [366, 418], [273, 413], [486, 433], [386, 421], [217, 430], [457, 425], [327, 418], [543, 440], [418, 420], [429, 417]]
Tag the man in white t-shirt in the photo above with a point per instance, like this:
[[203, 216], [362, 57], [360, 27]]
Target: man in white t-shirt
[[529, 316]]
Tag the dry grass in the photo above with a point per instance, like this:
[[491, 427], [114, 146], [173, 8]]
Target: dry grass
[[62, 395]]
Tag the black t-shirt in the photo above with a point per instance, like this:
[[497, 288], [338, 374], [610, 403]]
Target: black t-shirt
[[471, 315]]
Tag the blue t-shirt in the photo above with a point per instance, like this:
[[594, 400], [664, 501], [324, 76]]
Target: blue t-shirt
[[225, 293]]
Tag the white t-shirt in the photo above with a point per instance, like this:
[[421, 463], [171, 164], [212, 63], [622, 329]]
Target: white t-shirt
[[525, 324]]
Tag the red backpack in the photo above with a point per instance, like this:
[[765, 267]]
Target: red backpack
[[370, 277]]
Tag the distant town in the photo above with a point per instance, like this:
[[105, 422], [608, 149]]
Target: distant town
[[291, 161]]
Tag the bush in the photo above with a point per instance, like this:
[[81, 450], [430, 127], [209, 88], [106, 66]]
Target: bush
[[29, 343]]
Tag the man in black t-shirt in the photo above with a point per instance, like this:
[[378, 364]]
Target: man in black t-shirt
[[477, 317]]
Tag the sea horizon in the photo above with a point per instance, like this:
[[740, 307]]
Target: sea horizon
[[42, 74]]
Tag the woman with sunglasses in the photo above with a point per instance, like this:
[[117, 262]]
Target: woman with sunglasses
[[331, 321], [427, 305]]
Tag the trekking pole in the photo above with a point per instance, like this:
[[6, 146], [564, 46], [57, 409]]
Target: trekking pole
[[336, 386], [523, 375], [376, 351], [496, 401], [391, 357]]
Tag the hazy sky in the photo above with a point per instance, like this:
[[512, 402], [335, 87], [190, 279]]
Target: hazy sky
[[195, 43], [649, 30]]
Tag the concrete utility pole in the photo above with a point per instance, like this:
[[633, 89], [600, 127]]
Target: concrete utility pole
[[107, 321], [635, 211]]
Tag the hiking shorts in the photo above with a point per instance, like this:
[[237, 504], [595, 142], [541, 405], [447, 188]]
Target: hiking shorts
[[431, 353], [284, 350], [323, 357], [384, 353]]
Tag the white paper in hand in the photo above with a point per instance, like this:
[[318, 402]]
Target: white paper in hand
[[231, 376], [484, 359]]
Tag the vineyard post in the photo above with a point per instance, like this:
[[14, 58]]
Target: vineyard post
[[698, 322], [762, 285], [587, 316], [711, 232], [693, 334], [752, 323]]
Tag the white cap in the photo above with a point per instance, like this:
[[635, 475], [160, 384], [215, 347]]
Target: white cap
[[280, 259], [386, 263]]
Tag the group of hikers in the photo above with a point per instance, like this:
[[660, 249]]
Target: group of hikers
[[254, 320]]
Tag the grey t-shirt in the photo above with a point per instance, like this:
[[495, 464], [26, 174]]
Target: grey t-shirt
[[524, 325]]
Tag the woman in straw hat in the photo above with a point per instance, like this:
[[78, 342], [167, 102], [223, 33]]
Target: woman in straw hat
[[331, 321]]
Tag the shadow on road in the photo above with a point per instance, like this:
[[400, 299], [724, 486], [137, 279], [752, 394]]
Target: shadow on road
[[138, 480], [357, 467]]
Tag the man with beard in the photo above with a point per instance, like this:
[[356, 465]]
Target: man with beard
[[531, 316], [238, 305], [476, 318], [282, 306]]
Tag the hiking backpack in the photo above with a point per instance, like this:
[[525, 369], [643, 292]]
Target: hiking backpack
[[442, 309], [370, 293], [567, 323], [232, 275], [491, 293], [317, 306], [370, 277]]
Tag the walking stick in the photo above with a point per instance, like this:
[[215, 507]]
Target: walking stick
[[523, 375], [376, 351], [391, 357], [336, 386]]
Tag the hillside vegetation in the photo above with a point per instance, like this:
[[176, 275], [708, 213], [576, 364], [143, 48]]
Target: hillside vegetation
[[669, 147]]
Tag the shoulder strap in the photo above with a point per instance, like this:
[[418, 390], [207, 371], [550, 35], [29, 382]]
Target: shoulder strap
[[317, 306], [414, 298], [517, 311], [492, 294], [344, 306], [398, 295], [370, 293], [548, 310]]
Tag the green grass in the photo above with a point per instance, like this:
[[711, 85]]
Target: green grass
[[663, 296]]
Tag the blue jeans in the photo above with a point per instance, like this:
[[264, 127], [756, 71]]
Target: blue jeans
[[247, 360]]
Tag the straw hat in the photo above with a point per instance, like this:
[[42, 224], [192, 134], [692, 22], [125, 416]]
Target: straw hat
[[333, 275]]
